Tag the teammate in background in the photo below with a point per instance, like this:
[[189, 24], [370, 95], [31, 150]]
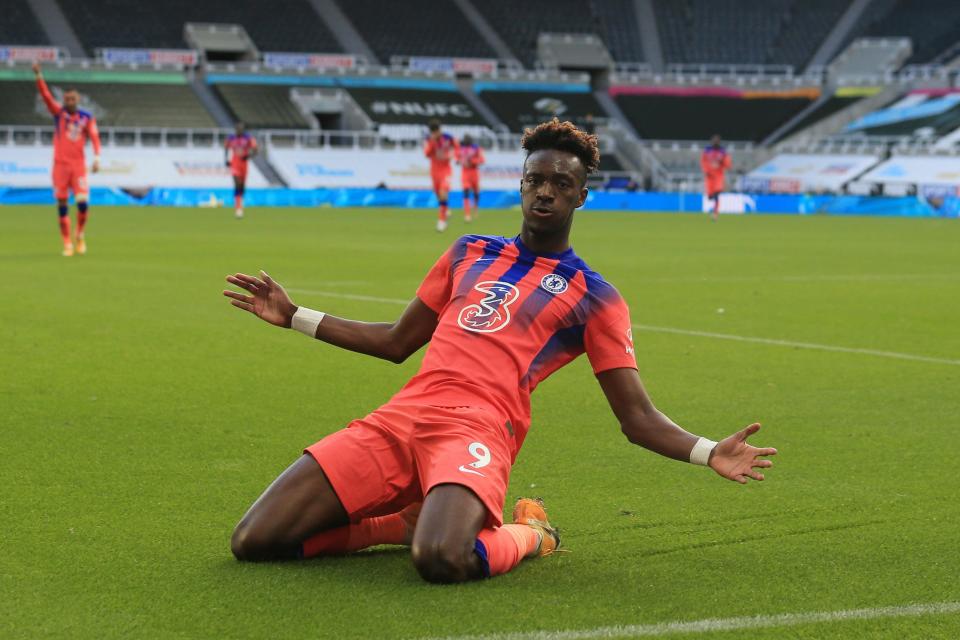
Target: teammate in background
[[470, 159], [441, 148], [72, 127], [714, 161], [500, 315], [238, 149]]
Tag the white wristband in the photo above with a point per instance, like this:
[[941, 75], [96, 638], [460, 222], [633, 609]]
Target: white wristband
[[700, 454], [306, 321]]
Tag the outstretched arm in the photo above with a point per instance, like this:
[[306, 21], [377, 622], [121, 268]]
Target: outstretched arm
[[643, 424], [394, 341], [53, 106]]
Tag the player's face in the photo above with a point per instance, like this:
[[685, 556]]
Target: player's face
[[552, 188], [70, 101], [239, 128]]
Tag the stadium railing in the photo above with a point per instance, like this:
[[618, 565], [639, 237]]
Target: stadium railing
[[717, 75]]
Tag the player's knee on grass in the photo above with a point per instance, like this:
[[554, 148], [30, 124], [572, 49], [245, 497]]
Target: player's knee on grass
[[252, 544], [444, 561]]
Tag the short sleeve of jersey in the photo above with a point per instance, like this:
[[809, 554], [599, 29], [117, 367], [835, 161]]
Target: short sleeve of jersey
[[608, 337], [437, 286]]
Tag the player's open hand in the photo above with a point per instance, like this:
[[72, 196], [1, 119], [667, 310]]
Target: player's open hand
[[95, 168], [36, 68], [268, 301], [736, 460]]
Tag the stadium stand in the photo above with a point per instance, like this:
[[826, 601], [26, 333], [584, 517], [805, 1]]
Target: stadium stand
[[719, 31], [415, 28], [825, 109], [929, 115], [870, 56], [281, 25], [745, 31], [697, 115], [519, 23], [19, 25], [113, 104], [521, 109], [262, 106], [619, 29], [932, 25], [808, 24]]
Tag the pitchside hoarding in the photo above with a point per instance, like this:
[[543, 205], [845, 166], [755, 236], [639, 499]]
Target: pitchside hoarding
[[184, 57], [127, 167], [795, 173], [408, 169], [288, 60], [9, 53], [925, 172]]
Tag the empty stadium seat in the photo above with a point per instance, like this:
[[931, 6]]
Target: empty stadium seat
[[279, 25], [262, 106], [415, 28], [519, 23], [933, 25], [745, 31], [18, 25], [114, 104]]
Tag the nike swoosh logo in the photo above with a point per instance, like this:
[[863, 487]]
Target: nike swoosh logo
[[468, 470]]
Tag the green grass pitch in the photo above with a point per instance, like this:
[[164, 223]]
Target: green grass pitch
[[140, 415]]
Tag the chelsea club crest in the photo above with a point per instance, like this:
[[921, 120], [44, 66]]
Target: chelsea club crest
[[554, 283]]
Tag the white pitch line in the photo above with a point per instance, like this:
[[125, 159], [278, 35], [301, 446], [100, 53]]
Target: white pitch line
[[710, 625], [798, 345], [863, 277], [690, 332]]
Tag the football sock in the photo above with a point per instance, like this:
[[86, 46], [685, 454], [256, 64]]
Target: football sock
[[238, 201], [443, 210], [81, 218], [504, 548], [64, 225], [466, 208], [389, 529]]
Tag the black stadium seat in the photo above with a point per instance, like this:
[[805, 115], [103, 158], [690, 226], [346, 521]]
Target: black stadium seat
[[519, 23], [745, 31], [415, 28], [278, 25], [19, 26], [114, 104]]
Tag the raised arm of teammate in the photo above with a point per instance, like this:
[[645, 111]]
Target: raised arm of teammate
[[643, 424], [393, 341], [53, 106]]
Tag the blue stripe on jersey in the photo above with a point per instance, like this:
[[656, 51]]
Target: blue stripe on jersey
[[568, 340], [540, 298], [491, 252]]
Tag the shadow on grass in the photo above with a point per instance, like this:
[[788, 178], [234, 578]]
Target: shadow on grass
[[379, 564]]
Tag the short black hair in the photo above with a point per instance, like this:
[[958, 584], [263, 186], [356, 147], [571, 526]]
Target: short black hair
[[563, 136], [433, 124]]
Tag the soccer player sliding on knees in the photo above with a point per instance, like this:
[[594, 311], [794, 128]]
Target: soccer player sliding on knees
[[430, 468]]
